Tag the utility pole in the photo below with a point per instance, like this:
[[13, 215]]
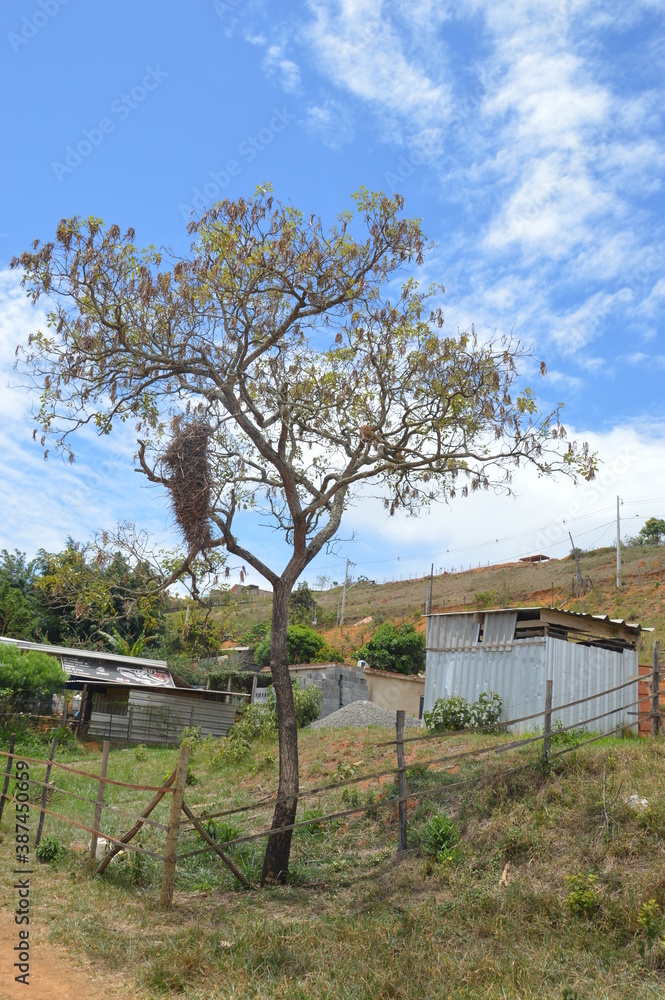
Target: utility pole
[[577, 561], [346, 580], [618, 545]]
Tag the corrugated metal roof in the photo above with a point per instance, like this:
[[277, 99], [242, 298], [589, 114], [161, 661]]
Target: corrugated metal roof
[[132, 661], [633, 626]]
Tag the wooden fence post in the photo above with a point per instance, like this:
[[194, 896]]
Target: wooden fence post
[[40, 825], [100, 799], [399, 728], [8, 771], [106, 860], [178, 795], [547, 741], [206, 836], [655, 692]]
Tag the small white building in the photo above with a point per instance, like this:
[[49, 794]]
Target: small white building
[[514, 652]]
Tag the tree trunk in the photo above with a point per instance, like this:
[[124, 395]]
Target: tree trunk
[[276, 861]]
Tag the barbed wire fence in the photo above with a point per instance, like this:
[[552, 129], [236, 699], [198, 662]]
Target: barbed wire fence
[[183, 820]]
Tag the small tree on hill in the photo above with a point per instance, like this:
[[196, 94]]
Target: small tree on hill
[[301, 604], [653, 531], [274, 370]]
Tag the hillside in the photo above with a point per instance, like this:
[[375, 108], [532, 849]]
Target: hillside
[[640, 599]]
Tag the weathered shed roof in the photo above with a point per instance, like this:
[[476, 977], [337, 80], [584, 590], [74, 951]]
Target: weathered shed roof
[[98, 667], [505, 625]]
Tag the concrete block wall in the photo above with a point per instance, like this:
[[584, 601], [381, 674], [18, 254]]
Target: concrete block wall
[[339, 686]]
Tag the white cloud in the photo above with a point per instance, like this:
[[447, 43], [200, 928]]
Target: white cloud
[[537, 519], [44, 502], [356, 44], [284, 70], [331, 121]]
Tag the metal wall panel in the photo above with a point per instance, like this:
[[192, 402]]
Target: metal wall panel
[[451, 631], [579, 671], [151, 717], [499, 628], [519, 674]]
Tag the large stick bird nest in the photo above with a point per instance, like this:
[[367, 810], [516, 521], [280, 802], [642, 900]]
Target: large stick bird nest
[[186, 458]]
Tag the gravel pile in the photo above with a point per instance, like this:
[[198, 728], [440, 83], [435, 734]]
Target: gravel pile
[[361, 713]]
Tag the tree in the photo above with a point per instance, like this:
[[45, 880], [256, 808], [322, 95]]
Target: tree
[[30, 676], [397, 648], [652, 532], [303, 645], [272, 370], [20, 610], [301, 604]]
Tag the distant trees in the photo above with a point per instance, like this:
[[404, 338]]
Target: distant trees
[[67, 597], [86, 597], [301, 604]]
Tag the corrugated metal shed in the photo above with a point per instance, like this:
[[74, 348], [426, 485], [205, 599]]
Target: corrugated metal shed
[[516, 651], [149, 716]]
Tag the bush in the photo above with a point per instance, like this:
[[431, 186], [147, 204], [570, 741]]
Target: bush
[[303, 645], [451, 714], [49, 850], [582, 900], [307, 703], [399, 649], [29, 676], [440, 837], [260, 721]]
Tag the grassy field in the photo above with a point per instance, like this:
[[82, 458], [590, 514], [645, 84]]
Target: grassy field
[[494, 916]]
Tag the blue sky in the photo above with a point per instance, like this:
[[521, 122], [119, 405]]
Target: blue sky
[[526, 135]]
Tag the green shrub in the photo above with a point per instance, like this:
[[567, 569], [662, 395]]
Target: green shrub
[[582, 900], [190, 736], [307, 703], [303, 645], [650, 922], [440, 837], [30, 675], [50, 849], [260, 722], [220, 831], [399, 649], [451, 714]]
